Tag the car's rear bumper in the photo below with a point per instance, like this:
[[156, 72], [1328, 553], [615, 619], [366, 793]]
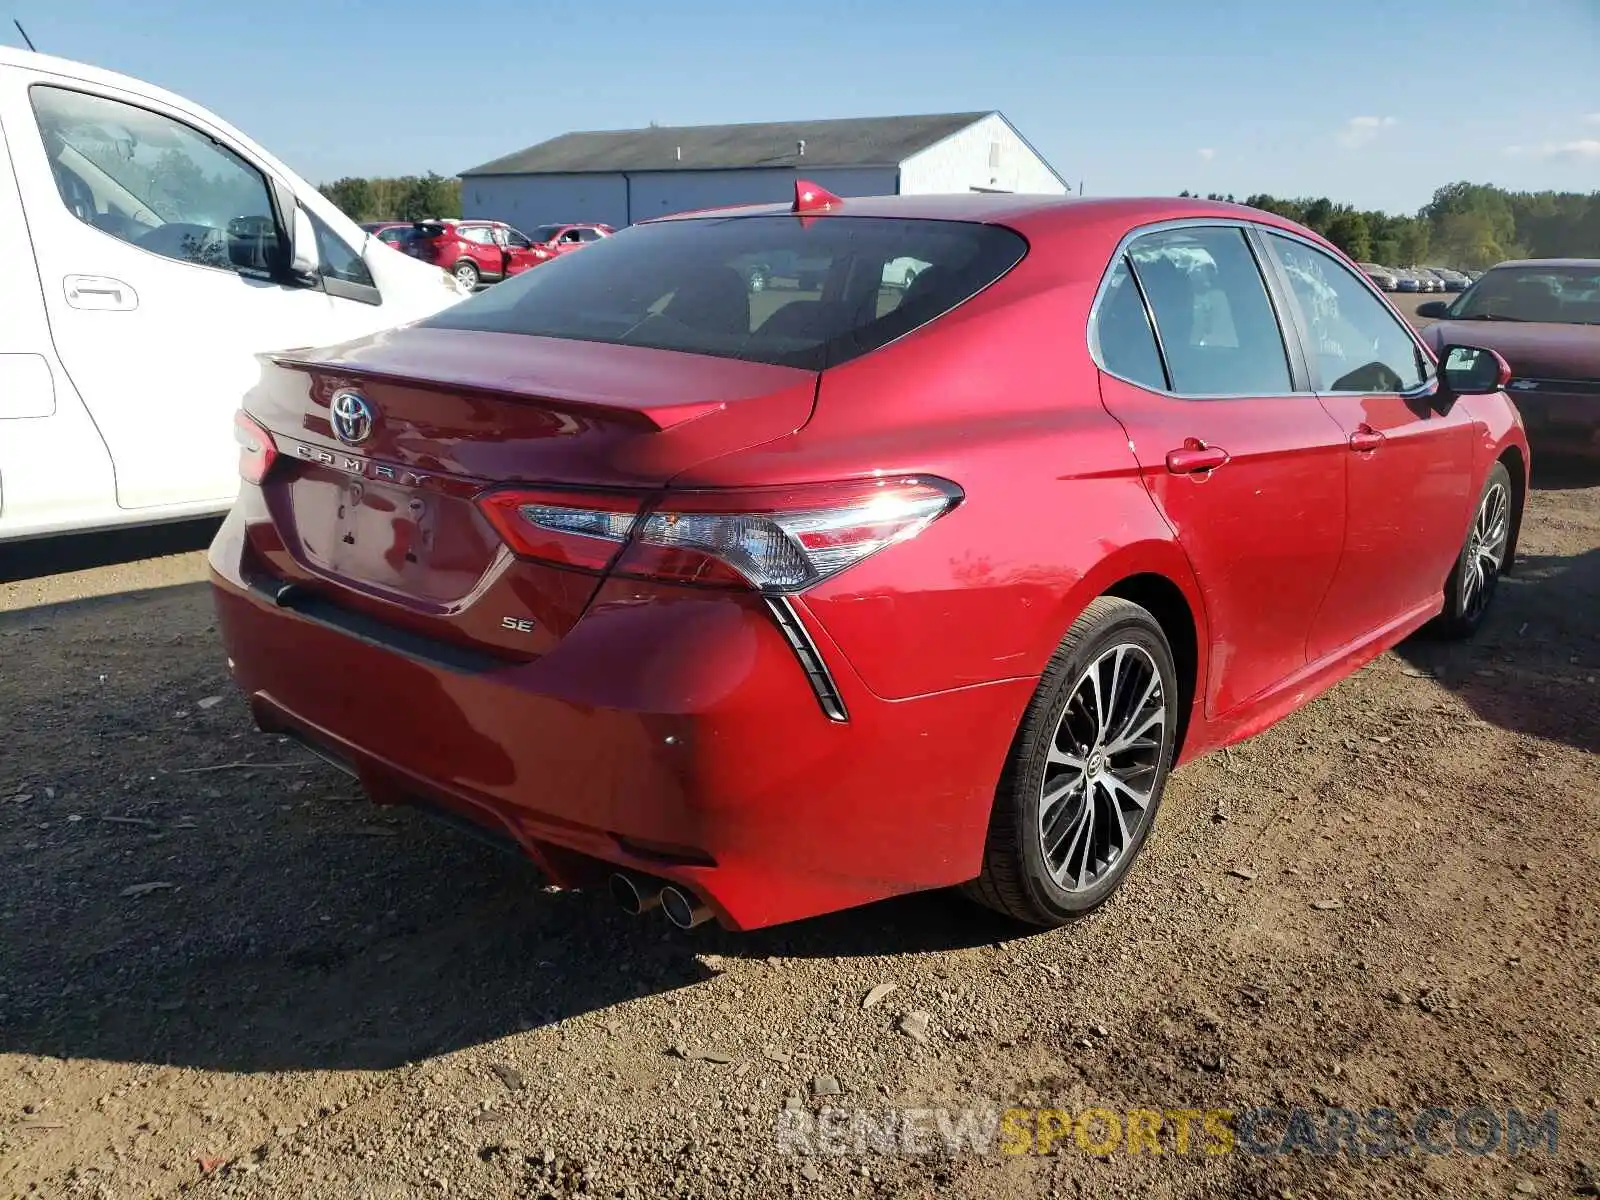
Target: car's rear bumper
[[672, 732]]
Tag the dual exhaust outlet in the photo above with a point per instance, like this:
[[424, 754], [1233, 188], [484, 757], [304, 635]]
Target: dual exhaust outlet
[[636, 895]]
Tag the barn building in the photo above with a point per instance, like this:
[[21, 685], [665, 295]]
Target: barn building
[[618, 177]]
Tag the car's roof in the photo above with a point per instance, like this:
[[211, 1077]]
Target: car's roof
[[1580, 263], [1012, 208]]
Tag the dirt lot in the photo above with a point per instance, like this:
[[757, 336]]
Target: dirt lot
[[222, 973]]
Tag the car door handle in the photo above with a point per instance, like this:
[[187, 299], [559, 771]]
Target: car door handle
[[99, 292], [1195, 457], [1366, 439]]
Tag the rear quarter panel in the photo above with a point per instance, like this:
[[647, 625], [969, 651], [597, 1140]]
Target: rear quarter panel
[[1000, 397]]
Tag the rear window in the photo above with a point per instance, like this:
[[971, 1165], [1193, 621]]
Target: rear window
[[778, 290]]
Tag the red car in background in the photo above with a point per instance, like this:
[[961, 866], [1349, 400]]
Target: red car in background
[[475, 252], [1543, 317], [478, 252], [760, 605], [563, 239], [390, 233]]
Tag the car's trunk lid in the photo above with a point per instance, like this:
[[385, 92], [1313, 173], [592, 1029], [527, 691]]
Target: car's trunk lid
[[388, 520]]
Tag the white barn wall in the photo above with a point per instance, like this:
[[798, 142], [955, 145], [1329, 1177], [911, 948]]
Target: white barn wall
[[527, 200], [659, 193], [969, 161]]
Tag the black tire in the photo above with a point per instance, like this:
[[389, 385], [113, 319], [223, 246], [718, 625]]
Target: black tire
[[1017, 879], [466, 271], [1468, 596]]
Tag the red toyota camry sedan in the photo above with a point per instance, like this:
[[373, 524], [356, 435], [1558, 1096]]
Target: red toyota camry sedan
[[752, 604]]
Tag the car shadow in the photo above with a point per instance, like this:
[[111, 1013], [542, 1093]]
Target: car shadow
[[39, 557], [361, 938], [177, 888], [1532, 667]]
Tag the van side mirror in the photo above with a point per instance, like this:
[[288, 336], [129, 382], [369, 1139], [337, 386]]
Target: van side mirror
[[1470, 371], [303, 258], [1435, 310]]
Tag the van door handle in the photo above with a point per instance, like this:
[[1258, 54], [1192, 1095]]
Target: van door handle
[[1195, 457], [99, 292], [1366, 438]]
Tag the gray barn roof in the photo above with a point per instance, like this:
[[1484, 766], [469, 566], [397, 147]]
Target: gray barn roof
[[851, 142]]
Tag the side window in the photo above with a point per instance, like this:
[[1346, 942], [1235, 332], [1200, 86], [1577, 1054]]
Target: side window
[[1356, 344], [1120, 332], [570, 236], [480, 235], [589, 235], [338, 260], [517, 241], [156, 183], [1217, 325]]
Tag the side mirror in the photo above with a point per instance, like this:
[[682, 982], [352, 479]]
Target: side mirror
[[1435, 310], [1471, 371], [303, 257]]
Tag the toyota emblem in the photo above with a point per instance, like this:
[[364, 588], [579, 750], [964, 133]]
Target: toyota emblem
[[351, 416]]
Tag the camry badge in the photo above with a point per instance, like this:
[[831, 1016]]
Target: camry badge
[[351, 417]]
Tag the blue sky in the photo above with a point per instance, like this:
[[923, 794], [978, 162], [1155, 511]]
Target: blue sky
[[1372, 101]]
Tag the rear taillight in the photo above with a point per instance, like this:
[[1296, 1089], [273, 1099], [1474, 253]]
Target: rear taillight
[[562, 528], [257, 452], [771, 539]]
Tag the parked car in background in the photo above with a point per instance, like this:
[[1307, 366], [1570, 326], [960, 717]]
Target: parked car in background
[[1384, 277], [479, 252], [474, 252], [561, 238], [152, 252], [617, 560], [1543, 316], [1454, 281], [1406, 281], [390, 233]]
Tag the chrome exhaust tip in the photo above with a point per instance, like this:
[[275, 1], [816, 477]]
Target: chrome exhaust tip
[[633, 895], [682, 909]]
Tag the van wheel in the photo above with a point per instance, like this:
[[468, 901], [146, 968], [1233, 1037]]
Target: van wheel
[[466, 274], [1079, 794]]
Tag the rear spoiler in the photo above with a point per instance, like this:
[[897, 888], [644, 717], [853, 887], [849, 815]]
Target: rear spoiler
[[460, 379]]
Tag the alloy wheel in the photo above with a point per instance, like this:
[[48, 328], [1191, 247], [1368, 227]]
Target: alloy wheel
[[1486, 550], [1102, 767]]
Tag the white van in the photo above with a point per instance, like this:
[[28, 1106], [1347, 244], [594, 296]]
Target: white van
[[148, 252]]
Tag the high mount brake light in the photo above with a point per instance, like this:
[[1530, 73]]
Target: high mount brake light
[[774, 540], [257, 452]]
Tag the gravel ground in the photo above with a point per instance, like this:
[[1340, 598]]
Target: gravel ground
[[224, 973]]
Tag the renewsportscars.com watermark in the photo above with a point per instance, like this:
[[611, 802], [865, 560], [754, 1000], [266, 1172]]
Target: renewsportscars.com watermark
[[1099, 1132]]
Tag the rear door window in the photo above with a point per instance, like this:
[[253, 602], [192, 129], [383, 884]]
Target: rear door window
[[687, 285], [1218, 329], [1122, 340]]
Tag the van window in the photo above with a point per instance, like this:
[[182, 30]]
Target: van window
[[687, 285], [156, 183], [339, 262]]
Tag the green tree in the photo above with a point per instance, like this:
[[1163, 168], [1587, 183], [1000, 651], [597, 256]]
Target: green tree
[[431, 195], [1348, 230], [354, 197]]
